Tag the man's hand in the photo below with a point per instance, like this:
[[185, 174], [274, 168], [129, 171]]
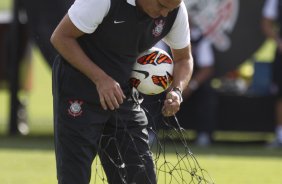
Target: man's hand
[[171, 104], [110, 93]]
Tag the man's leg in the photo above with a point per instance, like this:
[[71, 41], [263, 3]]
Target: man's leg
[[124, 152], [77, 127]]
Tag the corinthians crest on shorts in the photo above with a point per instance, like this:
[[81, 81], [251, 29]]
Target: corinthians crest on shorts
[[159, 26], [75, 108]]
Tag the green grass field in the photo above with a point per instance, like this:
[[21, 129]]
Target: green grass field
[[30, 160], [5, 4]]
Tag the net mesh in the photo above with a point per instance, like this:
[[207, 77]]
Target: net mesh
[[173, 159]]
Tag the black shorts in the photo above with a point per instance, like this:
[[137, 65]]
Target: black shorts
[[83, 129]]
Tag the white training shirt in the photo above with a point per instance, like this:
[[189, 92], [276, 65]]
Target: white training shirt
[[86, 15], [270, 9]]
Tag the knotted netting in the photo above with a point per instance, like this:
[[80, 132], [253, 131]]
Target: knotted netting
[[174, 161]]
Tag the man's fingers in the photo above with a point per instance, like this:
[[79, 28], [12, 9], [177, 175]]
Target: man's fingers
[[109, 103], [167, 111], [112, 102], [170, 108], [103, 103], [115, 102], [120, 96]]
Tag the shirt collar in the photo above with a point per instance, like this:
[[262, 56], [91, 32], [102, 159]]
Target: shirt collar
[[132, 2]]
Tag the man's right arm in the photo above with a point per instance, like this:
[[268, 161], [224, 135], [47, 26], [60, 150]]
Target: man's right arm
[[64, 39]]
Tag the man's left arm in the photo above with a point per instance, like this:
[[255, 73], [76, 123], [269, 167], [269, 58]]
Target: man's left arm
[[182, 72]]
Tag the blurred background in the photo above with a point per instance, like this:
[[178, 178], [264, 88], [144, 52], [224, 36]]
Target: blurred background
[[244, 120]]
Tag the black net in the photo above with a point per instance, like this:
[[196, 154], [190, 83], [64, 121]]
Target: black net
[[173, 160]]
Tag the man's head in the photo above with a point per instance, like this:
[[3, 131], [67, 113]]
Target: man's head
[[157, 8]]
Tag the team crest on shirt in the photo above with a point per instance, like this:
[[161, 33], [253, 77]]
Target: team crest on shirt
[[75, 108], [159, 26]]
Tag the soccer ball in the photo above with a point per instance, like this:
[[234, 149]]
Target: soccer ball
[[152, 72]]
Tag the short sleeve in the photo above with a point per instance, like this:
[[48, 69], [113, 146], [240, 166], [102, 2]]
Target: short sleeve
[[86, 15], [179, 35]]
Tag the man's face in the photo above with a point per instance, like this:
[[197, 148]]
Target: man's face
[[157, 8]]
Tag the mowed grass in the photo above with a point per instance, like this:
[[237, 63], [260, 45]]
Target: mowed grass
[[30, 160], [26, 161], [6, 4]]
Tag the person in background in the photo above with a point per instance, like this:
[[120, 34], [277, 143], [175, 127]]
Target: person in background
[[271, 27], [24, 66]]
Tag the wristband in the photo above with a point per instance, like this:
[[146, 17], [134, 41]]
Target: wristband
[[178, 92]]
